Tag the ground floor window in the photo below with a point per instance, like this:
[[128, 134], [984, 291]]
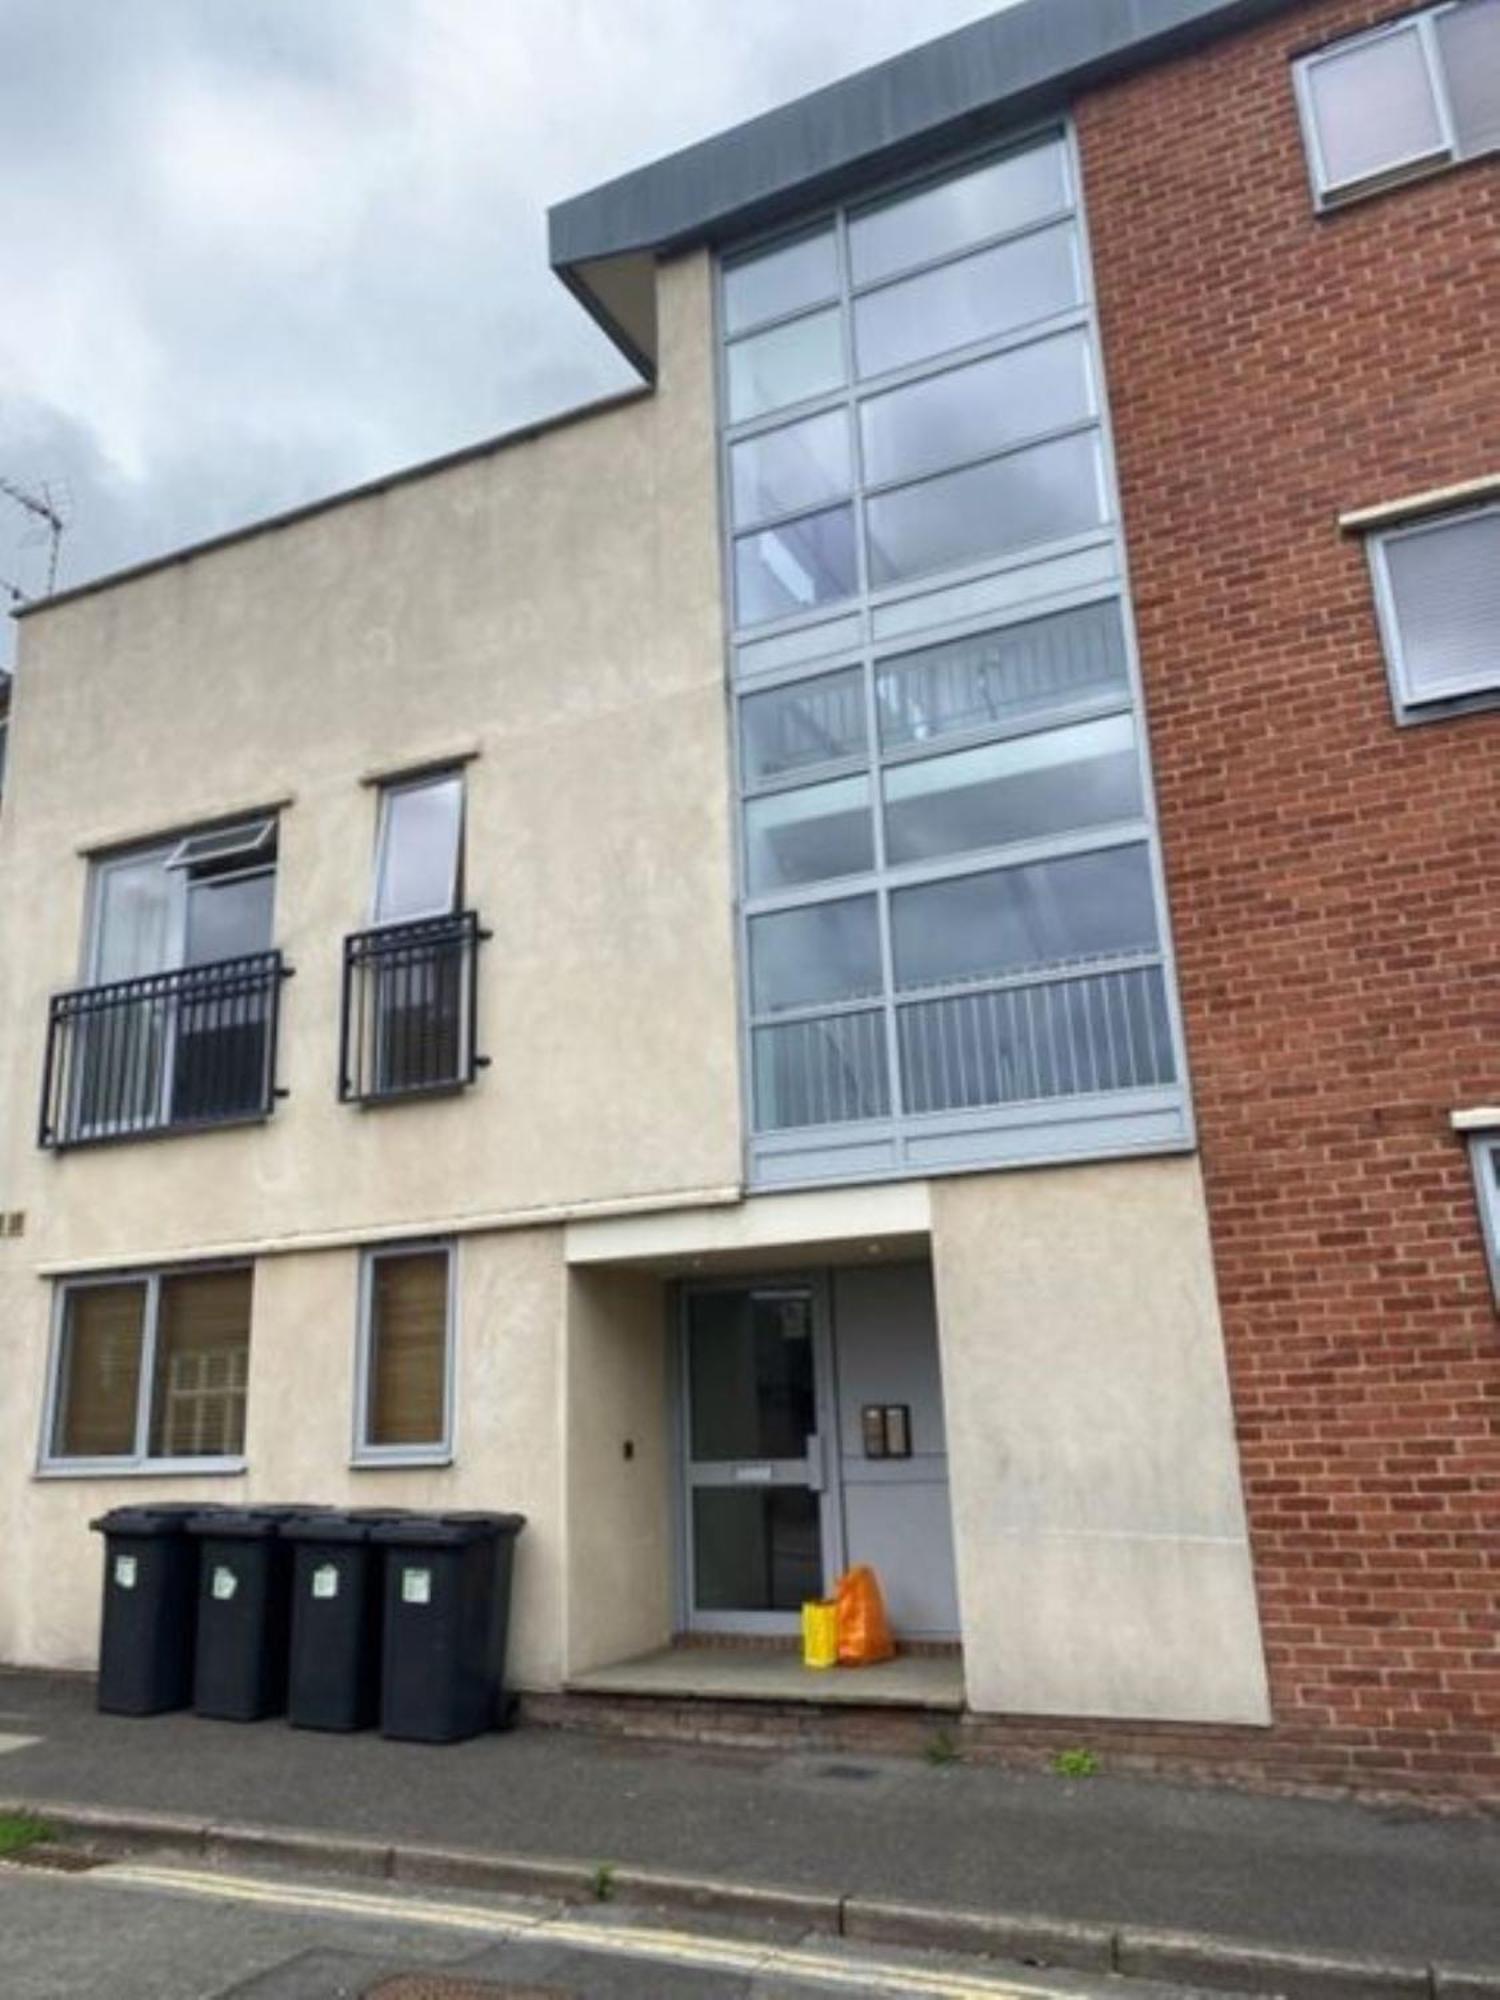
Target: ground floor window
[[404, 1401], [150, 1368]]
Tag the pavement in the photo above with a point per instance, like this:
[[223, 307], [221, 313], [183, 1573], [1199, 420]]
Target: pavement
[[1132, 1859]]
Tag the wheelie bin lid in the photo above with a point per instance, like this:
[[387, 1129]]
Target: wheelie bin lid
[[447, 1531], [163, 1517], [247, 1524], [334, 1526]]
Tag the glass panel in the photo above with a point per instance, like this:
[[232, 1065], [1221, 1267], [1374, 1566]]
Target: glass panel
[[229, 917], [418, 867], [1037, 495], [133, 918], [755, 1548], [1049, 913], [988, 293], [1445, 581], [750, 1375], [1032, 785], [811, 722], [1469, 37], [99, 1371], [823, 952], [1374, 108], [202, 1365], [1020, 1044], [987, 201], [820, 1072], [977, 409], [794, 567], [408, 1350], [993, 677], [779, 281], [769, 370], [798, 465], [809, 835]]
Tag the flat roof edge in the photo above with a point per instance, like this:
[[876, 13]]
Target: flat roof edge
[[1020, 63], [405, 475]]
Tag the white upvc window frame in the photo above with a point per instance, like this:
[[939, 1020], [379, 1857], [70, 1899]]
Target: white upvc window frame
[[1448, 153], [1427, 705], [364, 1454], [394, 788], [1484, 1157], [138, 1464]]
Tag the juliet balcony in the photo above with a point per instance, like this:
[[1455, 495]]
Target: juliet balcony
[[410, 997], [166, 1052]]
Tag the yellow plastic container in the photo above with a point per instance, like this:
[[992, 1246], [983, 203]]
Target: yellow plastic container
[[820, 1633]]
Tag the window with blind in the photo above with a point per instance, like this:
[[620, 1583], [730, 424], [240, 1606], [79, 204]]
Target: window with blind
[[151, 1370], [1417, 94], [1437, 592], [406, 1340]]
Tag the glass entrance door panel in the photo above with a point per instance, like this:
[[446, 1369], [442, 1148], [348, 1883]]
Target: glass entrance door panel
[[759, 1526]]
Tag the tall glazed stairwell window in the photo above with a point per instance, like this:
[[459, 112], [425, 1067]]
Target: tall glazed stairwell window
[[953, 928]]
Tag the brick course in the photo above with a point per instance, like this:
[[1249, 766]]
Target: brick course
[[1335, 904]]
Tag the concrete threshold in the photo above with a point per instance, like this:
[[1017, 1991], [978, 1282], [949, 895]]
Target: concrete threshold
[[1029, 1938], [761, 1674]]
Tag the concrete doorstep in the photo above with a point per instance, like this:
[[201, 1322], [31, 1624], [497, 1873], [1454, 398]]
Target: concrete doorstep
[[1025, 1939]]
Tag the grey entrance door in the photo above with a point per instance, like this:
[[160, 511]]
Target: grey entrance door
[[762, 1529]]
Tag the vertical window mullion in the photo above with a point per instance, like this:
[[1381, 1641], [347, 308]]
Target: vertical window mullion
[[146, 1387]]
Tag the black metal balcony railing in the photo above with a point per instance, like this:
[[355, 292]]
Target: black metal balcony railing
[[164, 1053], [410, 994]]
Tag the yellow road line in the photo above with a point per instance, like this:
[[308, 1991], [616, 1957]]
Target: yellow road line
[[686, 1948]]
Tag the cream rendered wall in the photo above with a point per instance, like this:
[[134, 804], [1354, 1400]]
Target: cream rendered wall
[[555, 606], [507, 1446], [1103, 1561], [620, 1509]]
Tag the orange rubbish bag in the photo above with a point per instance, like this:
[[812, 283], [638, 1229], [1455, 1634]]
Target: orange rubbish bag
[[864, 1629]]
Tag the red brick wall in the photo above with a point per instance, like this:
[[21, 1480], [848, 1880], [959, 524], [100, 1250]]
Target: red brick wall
[[1334, 880]]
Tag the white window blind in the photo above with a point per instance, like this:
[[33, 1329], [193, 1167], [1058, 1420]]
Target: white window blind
[[1438, 587]]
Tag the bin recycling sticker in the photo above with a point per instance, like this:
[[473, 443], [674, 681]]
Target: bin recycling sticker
[[416, 1586], [325, 1580], [224, 1583], [125, 1572]]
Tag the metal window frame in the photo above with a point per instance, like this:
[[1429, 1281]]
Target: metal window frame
[[247, 839], [1019, 585], [817, 1284], [419, 782], [1329, 196], [1411, 707], [362, 1453], [1484, 1160], [138, 1463]]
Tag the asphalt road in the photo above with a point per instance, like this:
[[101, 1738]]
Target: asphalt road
[[137, 1932]]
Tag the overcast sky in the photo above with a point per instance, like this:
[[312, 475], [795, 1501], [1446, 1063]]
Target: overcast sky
[[257, 250]]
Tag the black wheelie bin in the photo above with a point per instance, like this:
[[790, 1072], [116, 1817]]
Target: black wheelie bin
[[244, 1604], [447, 1617], [333, 1676], [149, 1624]]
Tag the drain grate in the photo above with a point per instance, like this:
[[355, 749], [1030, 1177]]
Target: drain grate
[[851, 1773]]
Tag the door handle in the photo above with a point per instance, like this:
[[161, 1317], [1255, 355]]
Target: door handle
[[817, 1473]]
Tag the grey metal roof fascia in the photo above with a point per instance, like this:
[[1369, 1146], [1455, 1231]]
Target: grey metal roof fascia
[[1020, 63]]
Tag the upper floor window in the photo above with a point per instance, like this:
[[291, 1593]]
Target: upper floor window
[[1419, 93], [150, 1369], [1437, 591], [175, 1023], [410, 979], [419, 853]]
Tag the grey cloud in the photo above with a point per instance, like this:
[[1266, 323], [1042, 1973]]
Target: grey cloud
[[257, 250]]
